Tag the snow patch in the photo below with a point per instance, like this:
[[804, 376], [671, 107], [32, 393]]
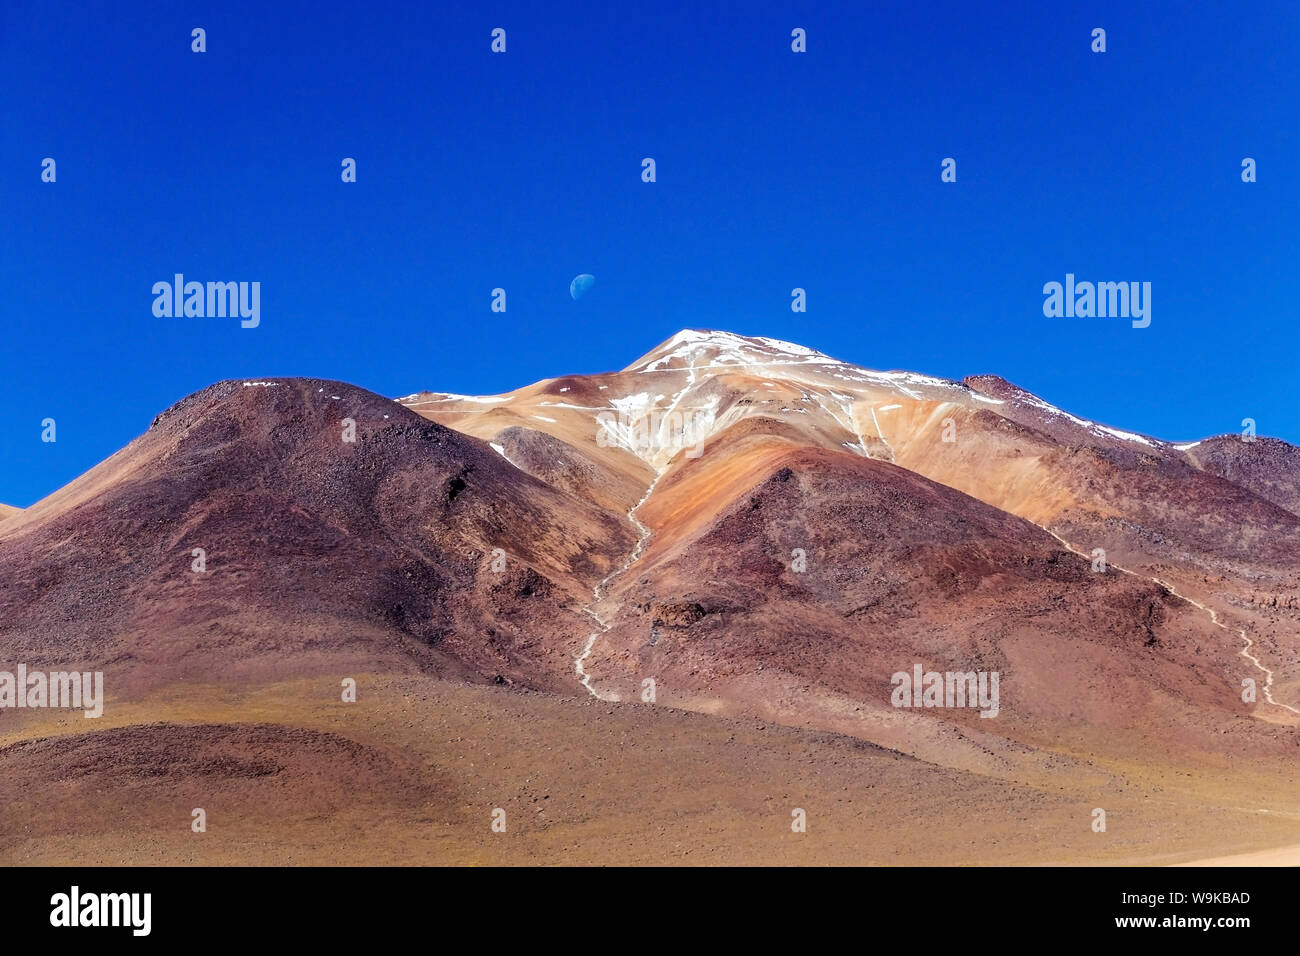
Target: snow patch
[[1093, 427], [453, 397], [735, 350], [502, 452], [631, 403], [1127, 436]]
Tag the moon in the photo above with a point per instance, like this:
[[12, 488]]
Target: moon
[[580, 284]]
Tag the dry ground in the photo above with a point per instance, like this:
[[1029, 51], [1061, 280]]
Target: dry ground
[[410, 774]]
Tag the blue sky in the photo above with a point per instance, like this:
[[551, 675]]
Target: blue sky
[[775, 170]]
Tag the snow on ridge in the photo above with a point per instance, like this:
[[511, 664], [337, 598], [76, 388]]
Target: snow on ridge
[[482, 399], [1093, 427], [1190, 444], [735, 350], [453, 397], [761, 353], [790, 348], [263, 384], [914, 378], [1126, 436]]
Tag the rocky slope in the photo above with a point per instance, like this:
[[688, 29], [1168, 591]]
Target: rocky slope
[[317, 552]]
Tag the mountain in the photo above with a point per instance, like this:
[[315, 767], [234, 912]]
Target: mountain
[[318, 553], [704, 418], [742, 530]]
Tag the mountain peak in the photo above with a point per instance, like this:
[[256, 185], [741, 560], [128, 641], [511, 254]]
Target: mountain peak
[[690, 347]]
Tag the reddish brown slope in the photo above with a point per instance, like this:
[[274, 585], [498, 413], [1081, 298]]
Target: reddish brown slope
[[900, 570], [1143, 500], [1266, 466], [319, 553]]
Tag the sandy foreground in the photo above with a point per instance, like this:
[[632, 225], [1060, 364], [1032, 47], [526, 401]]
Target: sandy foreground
[[414, 771]]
